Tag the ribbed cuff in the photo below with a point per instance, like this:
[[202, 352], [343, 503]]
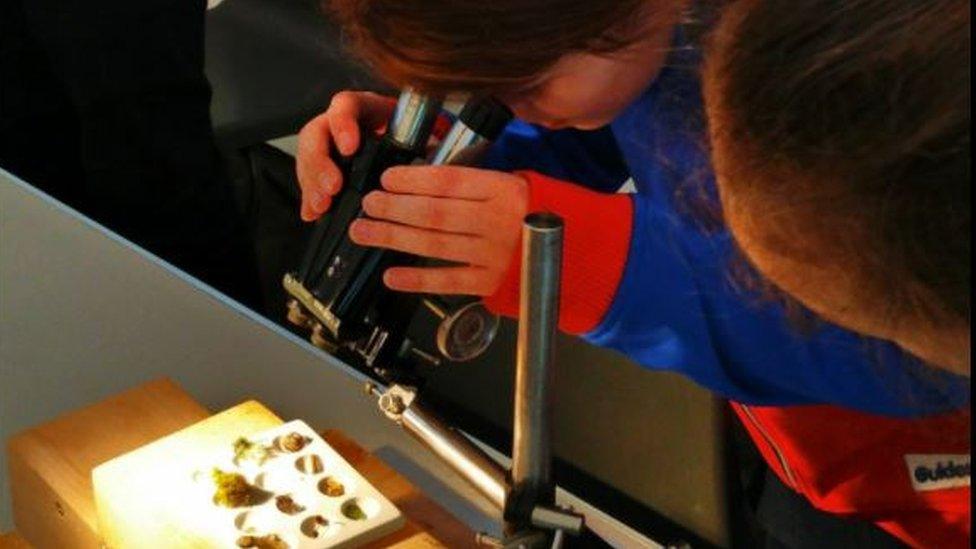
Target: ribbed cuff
[[596, 239]]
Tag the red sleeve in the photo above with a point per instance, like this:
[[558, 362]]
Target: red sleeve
[[595, 243]]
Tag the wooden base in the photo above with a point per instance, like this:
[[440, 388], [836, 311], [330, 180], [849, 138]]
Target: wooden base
[[51, 469], [50, 465], [12, 540]]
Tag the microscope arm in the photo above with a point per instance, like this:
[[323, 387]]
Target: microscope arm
[[399, 403]]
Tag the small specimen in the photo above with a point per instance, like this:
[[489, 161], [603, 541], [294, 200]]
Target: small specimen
[[245, 449], [331, 487], [292, 442], [233, 490], [310, 526], [353, 511], [270, 541], [287, 505], [310, 464]]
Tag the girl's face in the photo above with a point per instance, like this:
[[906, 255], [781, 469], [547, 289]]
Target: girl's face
[[587, 91]]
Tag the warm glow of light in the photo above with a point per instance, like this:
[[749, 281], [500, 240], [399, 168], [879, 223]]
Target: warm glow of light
[[149, 496]]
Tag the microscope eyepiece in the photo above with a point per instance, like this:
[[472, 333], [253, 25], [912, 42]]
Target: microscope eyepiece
[[480, 122], [487, 116]]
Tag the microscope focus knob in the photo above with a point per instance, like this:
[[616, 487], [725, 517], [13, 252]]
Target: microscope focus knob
[[466, 332]]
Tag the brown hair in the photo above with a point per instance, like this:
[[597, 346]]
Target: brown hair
[[480, 46], [846, 122]]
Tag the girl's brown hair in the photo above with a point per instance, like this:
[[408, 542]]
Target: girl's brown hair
[[480, 46], [847, 123]]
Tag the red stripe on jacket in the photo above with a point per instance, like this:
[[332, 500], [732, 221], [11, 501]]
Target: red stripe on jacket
[[853, 464]]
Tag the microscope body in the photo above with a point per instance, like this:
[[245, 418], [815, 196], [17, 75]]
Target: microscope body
[[337, 290]]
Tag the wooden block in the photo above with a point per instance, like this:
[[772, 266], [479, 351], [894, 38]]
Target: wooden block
[[12, 540], [50, 465], [148, 496]]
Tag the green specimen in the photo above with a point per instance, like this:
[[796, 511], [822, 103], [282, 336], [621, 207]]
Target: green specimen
[[233, 490], [245, 449], [353, 511]]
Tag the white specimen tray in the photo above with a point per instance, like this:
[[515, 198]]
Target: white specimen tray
[[298, 475]]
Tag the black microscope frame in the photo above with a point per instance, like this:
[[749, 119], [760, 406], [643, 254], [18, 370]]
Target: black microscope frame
[[337, 290]]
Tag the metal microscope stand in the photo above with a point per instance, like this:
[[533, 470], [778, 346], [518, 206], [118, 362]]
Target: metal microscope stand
[[526, 494]]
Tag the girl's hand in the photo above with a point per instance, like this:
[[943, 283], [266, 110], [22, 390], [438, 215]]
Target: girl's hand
[[465, 215], [318, 175]]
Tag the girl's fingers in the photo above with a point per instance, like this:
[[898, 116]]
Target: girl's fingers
[[461, 248], [344, 112], [313, 153], [443, 181], [318, 175], [440, 280], [349, 111], [306, 214], [443, 214]]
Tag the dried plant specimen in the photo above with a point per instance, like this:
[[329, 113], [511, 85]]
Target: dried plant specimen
[[311, 526], [292, 442], [233, 490], [331, 487], [287, 505]]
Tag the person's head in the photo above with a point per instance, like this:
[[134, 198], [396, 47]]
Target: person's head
[[840, 140], [558, 63]]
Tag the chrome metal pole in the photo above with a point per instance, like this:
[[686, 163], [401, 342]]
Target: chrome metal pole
[[399, 403], [542, 242], [459, 453]]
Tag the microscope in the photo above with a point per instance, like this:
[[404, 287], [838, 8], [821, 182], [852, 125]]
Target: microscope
[[338, 295], [337, 291]]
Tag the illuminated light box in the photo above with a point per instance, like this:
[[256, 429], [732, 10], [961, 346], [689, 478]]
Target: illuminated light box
[[303, 493]]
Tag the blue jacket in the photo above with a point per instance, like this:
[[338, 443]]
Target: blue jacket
[[677, 306]]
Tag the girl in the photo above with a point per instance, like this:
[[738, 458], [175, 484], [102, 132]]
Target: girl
[[643, 273]]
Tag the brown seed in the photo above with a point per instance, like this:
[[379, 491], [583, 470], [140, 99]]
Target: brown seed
[[287, 505], [271, 541], [245, 541], [292, 442], [310, 526], [310, 464], [331, 487]]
